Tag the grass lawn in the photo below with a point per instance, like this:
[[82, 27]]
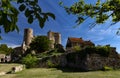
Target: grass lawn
[[6, 67], [55, 73]]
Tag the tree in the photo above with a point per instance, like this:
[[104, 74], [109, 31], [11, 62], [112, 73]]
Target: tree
[[100, 11], [4, 49], [59, 48], [40, 44], [30, 8]]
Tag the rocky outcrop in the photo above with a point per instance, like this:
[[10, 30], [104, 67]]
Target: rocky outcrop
[[18, 68]]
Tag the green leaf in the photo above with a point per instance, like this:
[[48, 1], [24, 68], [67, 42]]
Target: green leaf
[[33, 3], [41, 22], [36, 1], [22, 7], [39, 10], [51, 15], [14, 11], [20, 1], [0, 38], [28, 12], [1, 20], [16, 27], [60, 3], [30, 19]]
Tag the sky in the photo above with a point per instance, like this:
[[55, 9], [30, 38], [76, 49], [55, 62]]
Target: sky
[[102, 34]]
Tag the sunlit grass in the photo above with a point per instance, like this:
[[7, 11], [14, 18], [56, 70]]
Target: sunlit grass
[[55, 73], [7, 67]]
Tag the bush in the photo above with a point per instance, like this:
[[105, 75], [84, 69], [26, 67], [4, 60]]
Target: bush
[[30, 61], [51, 64], [59, 48], [76, 48], [106, 68], [101, 50]]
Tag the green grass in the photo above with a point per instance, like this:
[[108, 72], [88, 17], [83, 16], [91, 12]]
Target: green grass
[[55, 73], [7, 67]]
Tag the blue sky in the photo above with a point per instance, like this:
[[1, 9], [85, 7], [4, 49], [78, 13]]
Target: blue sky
[[102, 34]]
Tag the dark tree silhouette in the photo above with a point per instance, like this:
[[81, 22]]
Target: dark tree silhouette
[[30, 8]]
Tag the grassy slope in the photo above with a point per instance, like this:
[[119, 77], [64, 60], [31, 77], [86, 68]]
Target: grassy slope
[[54, 73], [7, 67]]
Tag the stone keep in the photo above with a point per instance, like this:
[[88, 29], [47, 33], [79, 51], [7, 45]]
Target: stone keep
[[28, 36], [55, 37]]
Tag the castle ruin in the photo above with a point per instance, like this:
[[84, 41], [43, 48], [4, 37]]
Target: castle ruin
[[55, 37], [28, 36], [72, 59]]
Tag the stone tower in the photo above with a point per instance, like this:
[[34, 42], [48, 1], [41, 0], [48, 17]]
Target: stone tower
[[55, 37], [28, 36]]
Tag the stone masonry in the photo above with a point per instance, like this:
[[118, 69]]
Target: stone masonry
[[55, 37]]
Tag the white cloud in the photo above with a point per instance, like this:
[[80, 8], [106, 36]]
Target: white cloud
[[13, 45]]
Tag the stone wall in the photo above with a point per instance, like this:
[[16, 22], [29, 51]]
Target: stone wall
[[92, 61], [96, 62], [55, 60], [88, 62]]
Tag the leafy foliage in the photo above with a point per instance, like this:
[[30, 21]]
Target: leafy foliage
[[8, 16], [30, 8], [100, 11], [59, 48], [77, 48], [33, 11], [101, 50], [51, 65], [54, 52], [40, 44], [30, 61], [107, 68], [5, 50]]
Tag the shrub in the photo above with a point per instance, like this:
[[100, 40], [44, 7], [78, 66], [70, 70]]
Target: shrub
[[101, 50], [30, 61], [107, 68], [76, 48], [51, 64], [59, 48]]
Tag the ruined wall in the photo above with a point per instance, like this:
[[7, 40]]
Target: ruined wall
[[74, 60], [96, 62], [91, 62], [59, 60]]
